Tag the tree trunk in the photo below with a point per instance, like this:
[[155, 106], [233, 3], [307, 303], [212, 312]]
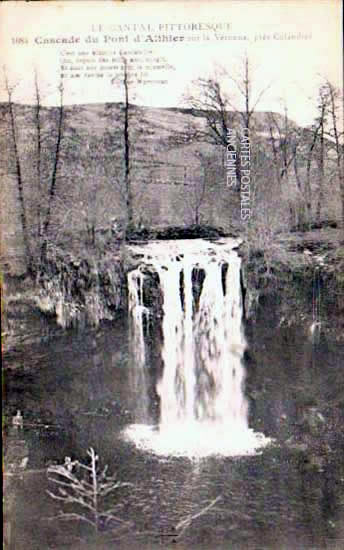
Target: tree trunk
[[95, 490], [335, 96], [52, 189], [308, 189], [321, 169], [22, 209], [341, 187], [128, 194], [39, 155]]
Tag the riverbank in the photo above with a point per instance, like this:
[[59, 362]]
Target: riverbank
[[299, 278], [71, 290], [76, 391], [73, 384], [297, 281]]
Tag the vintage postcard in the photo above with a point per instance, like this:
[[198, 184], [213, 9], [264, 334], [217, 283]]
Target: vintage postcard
[[172, 274]]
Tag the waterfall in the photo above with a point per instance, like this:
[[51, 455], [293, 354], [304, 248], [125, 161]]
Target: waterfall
[[201, 390], [138, 316]]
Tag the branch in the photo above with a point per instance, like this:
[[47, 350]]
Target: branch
[[18, 166], [78, 487], [70, 499], [105, 489], [57, 153], [108, 516], [71, 516], [185, 523], [260, 95]]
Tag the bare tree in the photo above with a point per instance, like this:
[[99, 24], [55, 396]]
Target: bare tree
[[18, 170], [244, 84], [335, 101], [36, 201], [305, 170], [38, 125], [317, 143], [197, 189], [222, 110], [323, 103], [318, 158], [82, 490], [283, 139], [311, 138], [211, 102], [53, 181], [94, 203], [126, 109], [114, 138], [126, 136]]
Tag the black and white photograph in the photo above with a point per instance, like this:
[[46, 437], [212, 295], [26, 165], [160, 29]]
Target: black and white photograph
[[172, 274]]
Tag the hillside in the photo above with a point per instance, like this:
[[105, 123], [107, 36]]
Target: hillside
[[177, 173]]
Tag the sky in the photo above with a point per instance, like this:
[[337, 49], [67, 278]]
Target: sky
[[291, 45]]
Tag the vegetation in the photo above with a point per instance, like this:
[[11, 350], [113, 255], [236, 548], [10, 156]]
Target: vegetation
[[142, 168], [82, 490], [293, 169]]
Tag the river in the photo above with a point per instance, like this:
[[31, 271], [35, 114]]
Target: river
[[75, 391]]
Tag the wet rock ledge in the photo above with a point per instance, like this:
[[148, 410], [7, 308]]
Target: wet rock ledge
[[84, 289], [70, 291]]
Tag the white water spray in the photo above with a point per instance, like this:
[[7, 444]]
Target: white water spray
[[139, 314], [203, 409]]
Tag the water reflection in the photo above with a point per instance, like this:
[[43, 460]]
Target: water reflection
[[288, 497]]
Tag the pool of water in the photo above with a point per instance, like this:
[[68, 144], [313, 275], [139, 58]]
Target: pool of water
[[74, 392]]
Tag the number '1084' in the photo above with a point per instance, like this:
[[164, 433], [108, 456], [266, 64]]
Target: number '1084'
[[19, 40]]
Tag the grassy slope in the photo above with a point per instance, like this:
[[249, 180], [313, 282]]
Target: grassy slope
[[166, 173]]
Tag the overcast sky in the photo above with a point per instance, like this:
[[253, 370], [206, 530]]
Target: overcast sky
[[291, 68]]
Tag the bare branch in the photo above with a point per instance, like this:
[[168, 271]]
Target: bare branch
[[18, 167], [52, 189], [73, 490], [201, 513], [260, 95], [72, 516]]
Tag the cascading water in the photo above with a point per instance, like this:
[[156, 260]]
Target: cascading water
[[203, 409], [139, 315]]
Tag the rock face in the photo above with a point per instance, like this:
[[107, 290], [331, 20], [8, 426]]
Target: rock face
[[81, 291], [69, 292], [178, 232], [295, 287], [76, 290]]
